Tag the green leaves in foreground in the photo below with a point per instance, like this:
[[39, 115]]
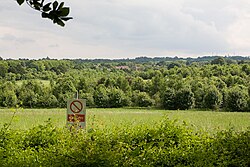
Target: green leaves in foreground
[[20, 2], [56, 12], [162, 144]]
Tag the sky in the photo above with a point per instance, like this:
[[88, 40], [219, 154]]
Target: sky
[[117, 29]]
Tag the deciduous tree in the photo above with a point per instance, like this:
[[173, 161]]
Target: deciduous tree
[[54, 11]]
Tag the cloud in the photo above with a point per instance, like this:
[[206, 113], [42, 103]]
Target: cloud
[[136, 25], [12, 38], [116, 28]]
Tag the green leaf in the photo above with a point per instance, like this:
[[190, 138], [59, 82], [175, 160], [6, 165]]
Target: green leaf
[[46, 7], [20, 2], [45, 15], [55, 4], [66, 18], [60, 22], [61, 5], [37, 6], [64, 11]]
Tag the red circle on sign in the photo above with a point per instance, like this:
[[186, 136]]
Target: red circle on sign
[[76, 106]]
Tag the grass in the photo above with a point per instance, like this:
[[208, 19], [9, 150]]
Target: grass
[[107, 118]]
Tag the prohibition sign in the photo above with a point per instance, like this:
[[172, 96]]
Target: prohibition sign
[[76, 106]]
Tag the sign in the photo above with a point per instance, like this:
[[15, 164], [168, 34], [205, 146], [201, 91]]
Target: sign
[[76, 113], [76, 106]]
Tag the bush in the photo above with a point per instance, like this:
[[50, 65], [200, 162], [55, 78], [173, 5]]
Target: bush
[[164, 144]]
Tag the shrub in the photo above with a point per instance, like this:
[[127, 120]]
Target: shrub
[[163, 144]]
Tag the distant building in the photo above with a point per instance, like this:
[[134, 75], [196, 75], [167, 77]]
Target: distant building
[[122, 67]]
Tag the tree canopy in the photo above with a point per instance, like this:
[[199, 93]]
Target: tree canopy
[[54, 11], [49, 83]]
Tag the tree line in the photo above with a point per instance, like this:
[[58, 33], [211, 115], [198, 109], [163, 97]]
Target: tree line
[[219, 84]]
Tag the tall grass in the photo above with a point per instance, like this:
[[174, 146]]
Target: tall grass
[[107, 118]]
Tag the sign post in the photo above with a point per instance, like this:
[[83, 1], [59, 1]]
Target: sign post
[[76, 113]]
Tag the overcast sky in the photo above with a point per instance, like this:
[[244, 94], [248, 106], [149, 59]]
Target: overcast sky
[[128, 29]]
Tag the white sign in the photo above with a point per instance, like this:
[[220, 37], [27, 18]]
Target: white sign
[[76, 113]]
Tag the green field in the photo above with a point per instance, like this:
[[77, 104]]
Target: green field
[[107, 118]]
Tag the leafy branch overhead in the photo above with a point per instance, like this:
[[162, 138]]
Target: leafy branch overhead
[[56, 12]]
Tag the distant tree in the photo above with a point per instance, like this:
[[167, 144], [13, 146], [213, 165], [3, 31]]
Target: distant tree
[[82, 85], [157, 83], [219, 60], [168, 99], [37, 65], [30, 92], [174, 64], [64, 85], [63, 90], [60, 69], [8, 96], [123, 84], [212, 98], [100, 96], [109, 82], [184, 99], [16, 67], [89, 98], [54, 11], [101, 81], [3, 68], [199, 94], [237, 99], [141, 99], [218, 82], [246, 69], [197, 87], [47, 99], [116, 98], [138, 84]]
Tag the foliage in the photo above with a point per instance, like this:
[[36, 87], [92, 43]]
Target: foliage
[[162, 144], [212, 98], [168, 99], [48, 83], [54, 11], [3, 68], [141, 99], [100, 96], [117, 98], [184, 99], [237, 99], [219, 60]]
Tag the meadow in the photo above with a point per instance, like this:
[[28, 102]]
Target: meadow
[[210, 121]]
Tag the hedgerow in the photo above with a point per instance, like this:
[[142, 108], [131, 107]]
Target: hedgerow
[[163, 144]]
